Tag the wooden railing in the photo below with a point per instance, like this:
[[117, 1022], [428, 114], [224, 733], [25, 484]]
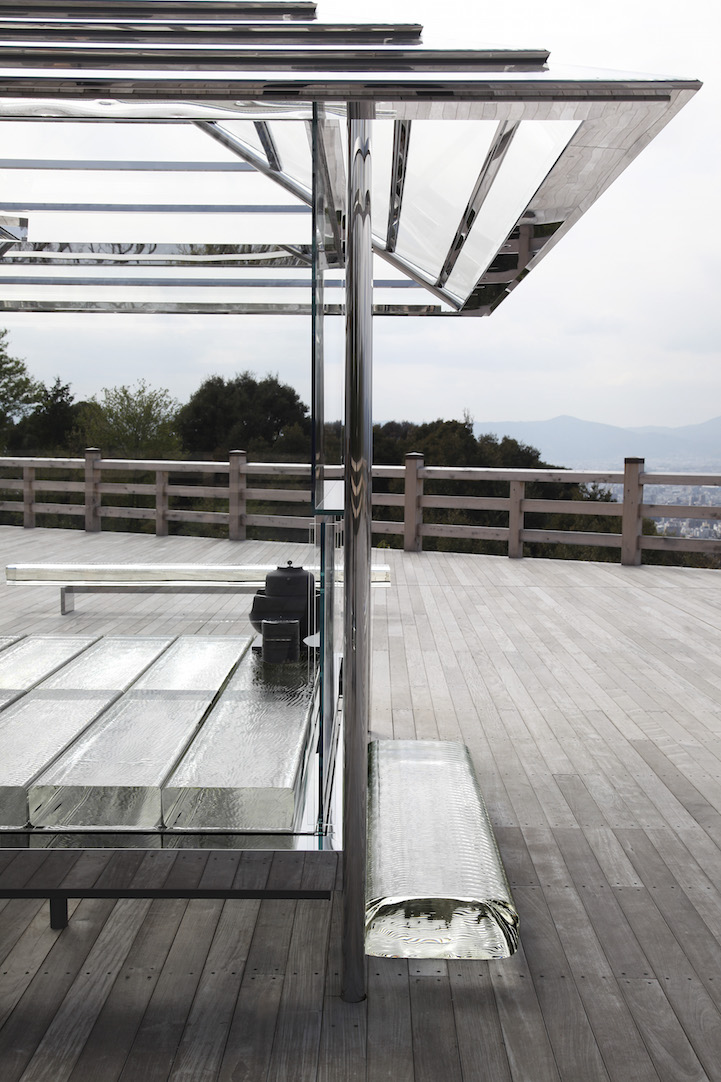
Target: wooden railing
[[239, 484]]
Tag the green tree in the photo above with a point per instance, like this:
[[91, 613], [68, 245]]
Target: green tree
[[19, 392], [49, 428], [242, 414], [131, 422]]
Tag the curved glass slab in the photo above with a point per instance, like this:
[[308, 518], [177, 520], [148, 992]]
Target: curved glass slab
[[435, 885]]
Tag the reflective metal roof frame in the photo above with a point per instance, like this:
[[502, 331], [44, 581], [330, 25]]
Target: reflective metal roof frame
[[483, 160]]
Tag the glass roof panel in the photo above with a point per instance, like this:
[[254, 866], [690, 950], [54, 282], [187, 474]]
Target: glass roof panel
[[483, 129], [531, 155], [293, 144], [247, 131], [444, 160]]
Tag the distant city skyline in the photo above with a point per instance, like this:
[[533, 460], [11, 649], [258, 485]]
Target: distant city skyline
[[620, 324]]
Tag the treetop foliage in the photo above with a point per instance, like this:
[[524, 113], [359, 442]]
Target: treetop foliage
[[19, 392], [49, 427], [131, 422], [242, 414]]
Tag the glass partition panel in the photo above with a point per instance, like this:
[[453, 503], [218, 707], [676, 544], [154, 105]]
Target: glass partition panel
[[331, 652], [328, 332]]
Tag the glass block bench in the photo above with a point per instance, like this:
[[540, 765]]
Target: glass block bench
[[435, 885]]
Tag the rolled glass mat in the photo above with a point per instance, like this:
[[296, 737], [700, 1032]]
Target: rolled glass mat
[[435, 884]]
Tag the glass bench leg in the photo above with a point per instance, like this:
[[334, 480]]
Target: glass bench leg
[[58, 912]]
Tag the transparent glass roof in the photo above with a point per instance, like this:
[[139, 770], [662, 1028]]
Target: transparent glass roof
[[191, 144]]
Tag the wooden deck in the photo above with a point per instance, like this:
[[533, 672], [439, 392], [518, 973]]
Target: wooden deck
[[590, 697]]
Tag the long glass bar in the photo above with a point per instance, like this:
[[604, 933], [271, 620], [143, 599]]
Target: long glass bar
[[244, 769]]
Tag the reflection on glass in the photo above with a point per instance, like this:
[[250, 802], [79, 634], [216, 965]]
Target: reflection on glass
[[33, 732], [331, 651], [194, 663], [94, 840], [382, 143], [23, 665], [112, 775], [113, 663], [444, 160], [435, 883], [292, 141], [247, 131], [182, 840], [532, 153], [36, 729]]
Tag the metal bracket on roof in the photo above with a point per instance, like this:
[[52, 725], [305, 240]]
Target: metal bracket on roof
[[401, 139]]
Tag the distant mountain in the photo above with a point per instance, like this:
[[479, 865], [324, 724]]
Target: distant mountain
[[575, 444]]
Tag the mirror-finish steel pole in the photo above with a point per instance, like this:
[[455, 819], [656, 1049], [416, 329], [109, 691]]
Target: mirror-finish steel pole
[[357, 545]]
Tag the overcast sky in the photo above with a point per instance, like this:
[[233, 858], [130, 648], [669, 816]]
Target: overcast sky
[[621, 323]]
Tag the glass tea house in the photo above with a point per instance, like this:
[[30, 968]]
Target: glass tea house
[[240, 157]]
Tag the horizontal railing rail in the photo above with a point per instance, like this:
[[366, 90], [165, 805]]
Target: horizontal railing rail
[[234, 495]]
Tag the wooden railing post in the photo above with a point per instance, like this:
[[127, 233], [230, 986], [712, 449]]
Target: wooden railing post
[[161, 503], [28, 497], [92, 490], [515, 519], [412, 510], [237, 502], [632, 517]]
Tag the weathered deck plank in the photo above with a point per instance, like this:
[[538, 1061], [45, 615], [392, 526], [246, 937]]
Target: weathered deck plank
[[590, 698]]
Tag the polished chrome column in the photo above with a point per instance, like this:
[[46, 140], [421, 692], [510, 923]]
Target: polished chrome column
[[357, 525]]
